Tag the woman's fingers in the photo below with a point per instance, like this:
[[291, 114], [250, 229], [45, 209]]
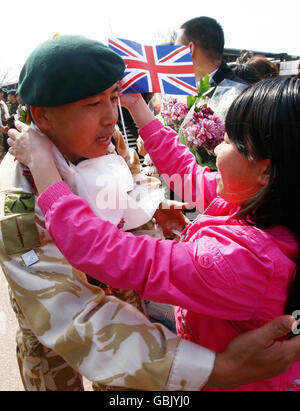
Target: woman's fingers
[[20, 126], [13, 134], [10, 141], [12, 150]]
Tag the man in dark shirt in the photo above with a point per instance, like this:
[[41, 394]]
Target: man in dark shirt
[[205, 38]]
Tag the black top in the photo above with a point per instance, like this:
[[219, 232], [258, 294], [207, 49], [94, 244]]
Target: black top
[[225, 72]]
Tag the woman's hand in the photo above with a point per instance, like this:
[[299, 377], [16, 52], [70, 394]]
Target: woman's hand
[[130, 100], [170, 218], [32, 148], [28, 144], [138, 108]]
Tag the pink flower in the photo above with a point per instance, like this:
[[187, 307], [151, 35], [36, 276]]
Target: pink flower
[[173, 112], [205, 129], [17, 116], [180, 110]]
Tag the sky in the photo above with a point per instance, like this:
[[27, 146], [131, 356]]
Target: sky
[[260, 25]]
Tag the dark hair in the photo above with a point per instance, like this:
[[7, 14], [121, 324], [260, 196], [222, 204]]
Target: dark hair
[[247, 73], [207, 34], [264, 122], [263, 66]]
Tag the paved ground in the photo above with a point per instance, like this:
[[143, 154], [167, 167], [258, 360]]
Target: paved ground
[[9, 372]]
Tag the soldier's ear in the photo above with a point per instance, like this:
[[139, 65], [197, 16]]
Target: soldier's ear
[[40, 117]]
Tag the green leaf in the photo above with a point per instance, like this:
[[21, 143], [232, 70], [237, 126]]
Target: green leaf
[[182, 139], [198, 157], [206, 80], [204, 87], [191, 101]]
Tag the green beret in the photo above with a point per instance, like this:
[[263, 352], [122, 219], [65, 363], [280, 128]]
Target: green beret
[[13, 92], [67, 69]]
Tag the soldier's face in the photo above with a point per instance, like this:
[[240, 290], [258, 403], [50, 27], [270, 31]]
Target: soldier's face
[[85, 128], [11, 98], [19, 100]]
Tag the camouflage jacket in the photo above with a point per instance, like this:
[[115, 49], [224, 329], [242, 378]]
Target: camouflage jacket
[[105, 339]]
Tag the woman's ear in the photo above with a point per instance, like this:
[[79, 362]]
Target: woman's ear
[[40, 117], [264, 176]]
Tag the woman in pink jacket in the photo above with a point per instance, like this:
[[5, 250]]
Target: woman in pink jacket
[[235, 266]]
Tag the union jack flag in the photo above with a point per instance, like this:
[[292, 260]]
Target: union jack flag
[[157, 69]]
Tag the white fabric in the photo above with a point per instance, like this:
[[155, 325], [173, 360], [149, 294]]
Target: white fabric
[[188, 355], [211, 76], [107, 184]]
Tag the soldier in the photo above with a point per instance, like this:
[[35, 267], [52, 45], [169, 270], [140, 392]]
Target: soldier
[[4, 115], [13, 103], [63, 319], [4, 111], [42, 368]]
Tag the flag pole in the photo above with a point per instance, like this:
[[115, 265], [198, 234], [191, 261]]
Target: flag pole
[[119, 101], [123, 123]]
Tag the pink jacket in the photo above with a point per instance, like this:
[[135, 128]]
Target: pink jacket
[[224, 278]]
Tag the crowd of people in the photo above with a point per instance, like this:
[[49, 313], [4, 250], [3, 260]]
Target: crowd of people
[[256, 68], [80, 273], [10, 102]]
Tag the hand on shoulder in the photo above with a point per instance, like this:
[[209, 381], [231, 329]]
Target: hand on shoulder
[[28, 144]]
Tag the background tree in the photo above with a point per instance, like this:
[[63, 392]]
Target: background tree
[[165, 38]]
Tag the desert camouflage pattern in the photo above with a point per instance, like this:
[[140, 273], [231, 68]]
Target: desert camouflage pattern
[[69, 327], [41, 369]]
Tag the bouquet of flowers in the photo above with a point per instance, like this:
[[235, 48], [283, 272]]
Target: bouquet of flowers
[[23, 115], [198, 126]]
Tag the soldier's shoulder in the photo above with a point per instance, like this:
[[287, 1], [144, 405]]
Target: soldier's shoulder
[[19, 232]]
